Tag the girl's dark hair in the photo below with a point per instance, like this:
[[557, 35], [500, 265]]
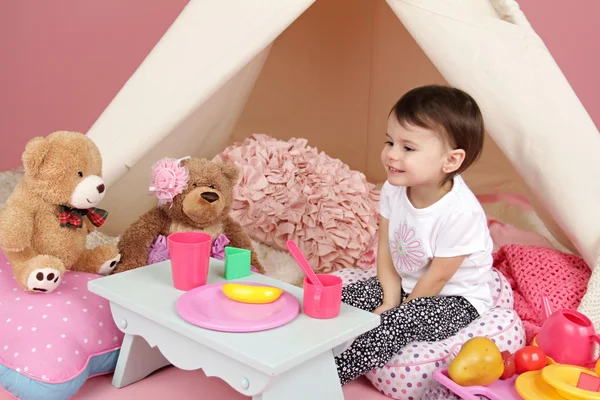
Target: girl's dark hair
[[451, 113]]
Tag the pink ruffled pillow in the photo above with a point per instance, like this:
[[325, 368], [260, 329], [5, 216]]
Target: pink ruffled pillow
[[290, 191]]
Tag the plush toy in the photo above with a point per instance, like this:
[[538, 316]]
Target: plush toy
[[45, 221], [193, 195]]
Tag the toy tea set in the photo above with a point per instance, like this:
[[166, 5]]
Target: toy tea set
[[247, 306], [559, 365]]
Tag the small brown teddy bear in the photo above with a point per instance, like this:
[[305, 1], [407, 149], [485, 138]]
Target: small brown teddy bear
[[194, 195], [45, 221]]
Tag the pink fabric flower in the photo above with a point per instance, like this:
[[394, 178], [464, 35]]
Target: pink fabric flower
[[290, 191], [169, 179]]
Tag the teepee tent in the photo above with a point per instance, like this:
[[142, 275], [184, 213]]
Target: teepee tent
[[329, 71]]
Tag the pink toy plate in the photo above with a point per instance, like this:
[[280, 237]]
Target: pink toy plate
[[498, 390], [208, 307]]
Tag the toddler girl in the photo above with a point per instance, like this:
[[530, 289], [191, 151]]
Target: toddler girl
[[434, 258]]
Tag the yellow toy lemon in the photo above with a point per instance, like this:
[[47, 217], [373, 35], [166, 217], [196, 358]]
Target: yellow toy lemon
[[251, 294]]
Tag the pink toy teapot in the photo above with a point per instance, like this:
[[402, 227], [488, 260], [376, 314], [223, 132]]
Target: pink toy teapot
[[567, 336]]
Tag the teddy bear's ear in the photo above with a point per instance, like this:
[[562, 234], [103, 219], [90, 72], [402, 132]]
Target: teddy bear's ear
[[34, 154], [231, 172]]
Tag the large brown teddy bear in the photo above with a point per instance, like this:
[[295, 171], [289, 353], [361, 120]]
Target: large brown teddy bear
[[202, 203], [45, 221]]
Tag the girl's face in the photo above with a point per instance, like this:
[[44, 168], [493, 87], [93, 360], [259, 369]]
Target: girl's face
[[413, 156]]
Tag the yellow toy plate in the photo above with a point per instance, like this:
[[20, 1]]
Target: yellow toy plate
[[531, 386], [564, 379]]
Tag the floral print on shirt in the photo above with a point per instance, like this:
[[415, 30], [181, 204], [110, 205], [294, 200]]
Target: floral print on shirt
[[406, 249]]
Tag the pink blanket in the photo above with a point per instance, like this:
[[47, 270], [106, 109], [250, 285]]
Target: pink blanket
[[533, 271]]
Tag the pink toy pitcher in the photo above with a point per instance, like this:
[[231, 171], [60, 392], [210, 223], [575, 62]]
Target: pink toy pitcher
[[568, 336], [323, 302]]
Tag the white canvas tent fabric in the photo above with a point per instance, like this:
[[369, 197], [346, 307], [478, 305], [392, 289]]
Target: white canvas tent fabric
[[188, 95]]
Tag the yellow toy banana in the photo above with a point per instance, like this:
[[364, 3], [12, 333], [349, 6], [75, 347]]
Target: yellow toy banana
[[251, 294]]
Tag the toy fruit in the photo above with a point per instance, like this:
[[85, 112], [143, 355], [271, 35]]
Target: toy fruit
[[478, 363], [509, 365], [251, 294], [529, 358]]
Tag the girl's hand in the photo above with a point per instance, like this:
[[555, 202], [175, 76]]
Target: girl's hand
[[382, 308], [390, 281]]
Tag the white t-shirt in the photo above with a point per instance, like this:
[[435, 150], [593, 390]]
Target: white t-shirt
[[453, 226]]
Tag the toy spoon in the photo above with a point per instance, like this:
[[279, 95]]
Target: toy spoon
[[303, 263]]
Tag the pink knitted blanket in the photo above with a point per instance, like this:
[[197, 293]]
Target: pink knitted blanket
[[534, 271]]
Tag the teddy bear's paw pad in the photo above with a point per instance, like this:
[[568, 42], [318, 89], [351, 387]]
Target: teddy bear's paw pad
[[109, 266], [43, 280]]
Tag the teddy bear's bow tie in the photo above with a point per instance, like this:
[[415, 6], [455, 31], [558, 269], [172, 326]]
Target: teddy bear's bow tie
[[73, 217]]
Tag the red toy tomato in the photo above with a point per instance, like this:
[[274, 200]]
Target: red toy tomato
[[529, 358]]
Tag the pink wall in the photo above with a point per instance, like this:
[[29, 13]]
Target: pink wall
[[570, 31], [64, 60]]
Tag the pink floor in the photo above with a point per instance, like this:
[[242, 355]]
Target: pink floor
[[183, 385], [177, 384]]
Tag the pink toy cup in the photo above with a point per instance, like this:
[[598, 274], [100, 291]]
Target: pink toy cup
[[189, 253], [323, 303]]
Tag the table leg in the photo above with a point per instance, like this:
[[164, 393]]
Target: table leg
[[136, 361], [316, 379]]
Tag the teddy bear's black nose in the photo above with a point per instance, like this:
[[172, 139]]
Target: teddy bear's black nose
[[100, 188], [210, 196]]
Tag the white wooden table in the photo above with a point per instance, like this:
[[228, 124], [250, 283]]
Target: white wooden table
[[292, 362]]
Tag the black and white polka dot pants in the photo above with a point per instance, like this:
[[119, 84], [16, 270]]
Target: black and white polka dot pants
[[425, 319]]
